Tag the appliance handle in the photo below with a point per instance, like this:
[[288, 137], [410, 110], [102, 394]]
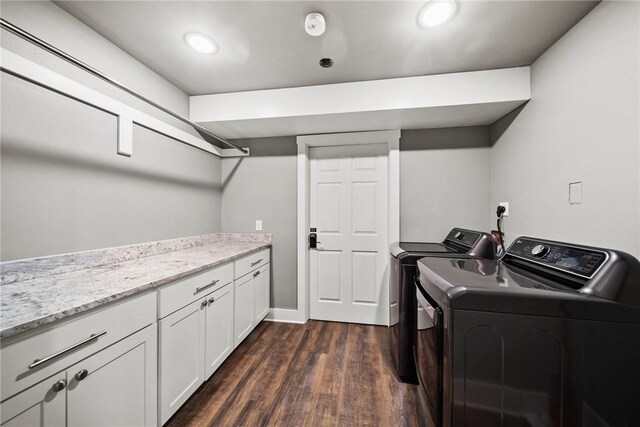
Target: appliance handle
[[429, 308], [429, 312]]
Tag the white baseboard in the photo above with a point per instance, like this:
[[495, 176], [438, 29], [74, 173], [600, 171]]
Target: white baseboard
[[285, 315]]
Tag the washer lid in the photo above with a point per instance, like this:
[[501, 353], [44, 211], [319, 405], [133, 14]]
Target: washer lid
[[483, 285], [427, 247], [417, 250]]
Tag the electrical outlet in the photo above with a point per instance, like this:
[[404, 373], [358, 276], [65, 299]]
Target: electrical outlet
[[258, 225], [506, 208], [575, 193]]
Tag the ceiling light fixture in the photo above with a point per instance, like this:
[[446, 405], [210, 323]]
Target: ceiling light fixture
[[201, 42], [314, 24], [437, 12]]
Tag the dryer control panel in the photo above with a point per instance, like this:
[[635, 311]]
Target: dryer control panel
[[463, 237], [576, 260]]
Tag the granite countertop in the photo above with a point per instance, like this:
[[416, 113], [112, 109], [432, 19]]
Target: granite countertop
[[39, 291]]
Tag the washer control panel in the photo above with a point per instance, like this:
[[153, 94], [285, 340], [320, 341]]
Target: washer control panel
[[464, 237], [571, 259]]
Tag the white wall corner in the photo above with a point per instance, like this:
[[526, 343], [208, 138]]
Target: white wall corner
[[285, 316]]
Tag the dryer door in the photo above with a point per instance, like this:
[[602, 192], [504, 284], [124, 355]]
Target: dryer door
[[428, 353]]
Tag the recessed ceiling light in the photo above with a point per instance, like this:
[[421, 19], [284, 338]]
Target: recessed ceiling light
[[437, 12], [200, 42]]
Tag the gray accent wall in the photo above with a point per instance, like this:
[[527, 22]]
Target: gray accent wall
[[444, 181], [263, 187], [63, 187], [582, 124]]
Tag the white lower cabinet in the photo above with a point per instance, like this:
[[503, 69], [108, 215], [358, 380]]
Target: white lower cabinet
[[97, 371], [244, 312], [218, 328], [114, 387], [181, 357], [261, 284], [252, 294], [194, 341], [117, 386]]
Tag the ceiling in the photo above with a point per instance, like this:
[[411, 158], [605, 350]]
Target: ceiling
[[263, 44]]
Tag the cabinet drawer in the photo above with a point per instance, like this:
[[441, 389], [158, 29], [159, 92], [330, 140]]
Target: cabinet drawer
[[251, 262], [74, 340], [183, 292]]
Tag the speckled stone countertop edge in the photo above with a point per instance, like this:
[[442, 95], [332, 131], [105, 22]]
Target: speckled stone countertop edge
[[73, 311], [45, 266]]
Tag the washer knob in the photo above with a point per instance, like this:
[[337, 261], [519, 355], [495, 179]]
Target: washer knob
[[539, 251], [459, 235]]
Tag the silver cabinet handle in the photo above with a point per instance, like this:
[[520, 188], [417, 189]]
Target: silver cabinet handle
[[85, 341], [256, 274], [82, 374], [59, 386], [257, 262], [198, 290], [203, 304], [212, 300]]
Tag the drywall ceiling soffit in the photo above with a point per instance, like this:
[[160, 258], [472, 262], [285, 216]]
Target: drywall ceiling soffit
[[263, 44], [450, 100]]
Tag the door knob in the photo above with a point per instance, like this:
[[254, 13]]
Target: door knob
[[82, 375], [59, 385], [313, 240], [203, 304]]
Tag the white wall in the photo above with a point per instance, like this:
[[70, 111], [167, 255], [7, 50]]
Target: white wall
[[439, 169], [63, 187], [263, 187], [444, 181], [582, 124]]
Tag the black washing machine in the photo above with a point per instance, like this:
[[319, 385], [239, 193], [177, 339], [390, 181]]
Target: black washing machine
[[404, 255], [547, 336]]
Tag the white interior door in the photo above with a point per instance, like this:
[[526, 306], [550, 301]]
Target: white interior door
[[348, 207]]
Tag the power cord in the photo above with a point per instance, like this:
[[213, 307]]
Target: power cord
[[500, 213]]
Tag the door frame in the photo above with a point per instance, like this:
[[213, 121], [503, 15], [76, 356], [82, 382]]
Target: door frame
[[389, 137]]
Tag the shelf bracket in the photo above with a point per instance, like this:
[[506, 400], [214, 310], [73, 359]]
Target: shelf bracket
[[125, 135]]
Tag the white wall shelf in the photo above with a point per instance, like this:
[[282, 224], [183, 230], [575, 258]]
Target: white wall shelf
[[127, 116]]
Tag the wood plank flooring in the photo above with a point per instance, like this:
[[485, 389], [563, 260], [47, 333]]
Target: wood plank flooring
[[317, 374]]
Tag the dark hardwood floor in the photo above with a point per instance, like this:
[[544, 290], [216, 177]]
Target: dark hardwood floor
[[317, 374]]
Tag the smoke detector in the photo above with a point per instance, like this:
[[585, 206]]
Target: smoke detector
[[314, 24]]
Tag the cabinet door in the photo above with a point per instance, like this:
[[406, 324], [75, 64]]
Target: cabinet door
[[243, 313], [116, 386], [218, 328], [39, 405], [181, 357], [261, 281]]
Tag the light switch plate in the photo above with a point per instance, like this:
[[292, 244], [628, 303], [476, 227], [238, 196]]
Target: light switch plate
[[575, 193], [258, 225], [506, 208]]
